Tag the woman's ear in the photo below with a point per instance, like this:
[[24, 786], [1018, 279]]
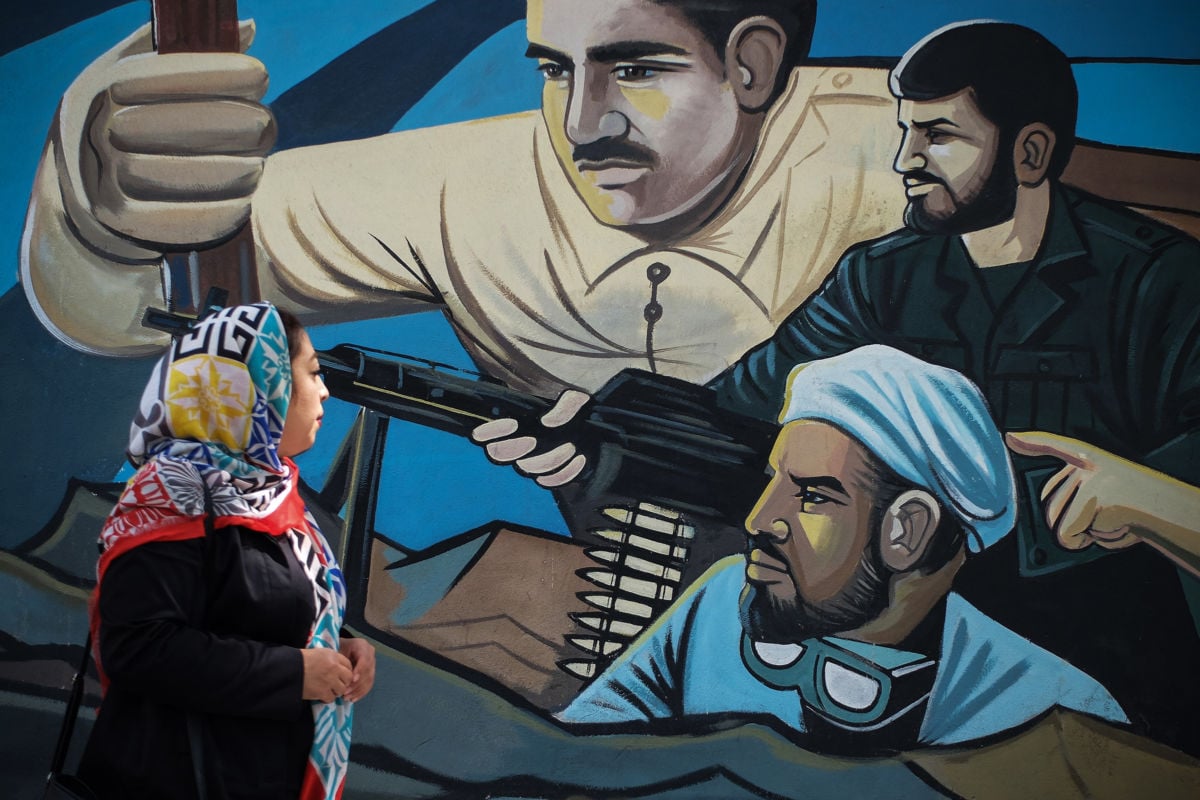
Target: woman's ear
[[1032, 152], [906, 529], [753, 59]]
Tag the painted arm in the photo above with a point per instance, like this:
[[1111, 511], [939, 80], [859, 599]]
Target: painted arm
[[153, 153], [835, 320], [1101, 499]]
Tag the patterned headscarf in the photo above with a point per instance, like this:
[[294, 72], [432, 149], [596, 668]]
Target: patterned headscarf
[[929, 424], [211, 416]]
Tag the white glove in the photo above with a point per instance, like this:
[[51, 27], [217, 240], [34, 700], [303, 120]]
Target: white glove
[[551, 468], [166, 149]]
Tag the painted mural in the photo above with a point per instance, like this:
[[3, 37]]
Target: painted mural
[[778, 398]]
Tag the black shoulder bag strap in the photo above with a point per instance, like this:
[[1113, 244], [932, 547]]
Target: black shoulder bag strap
[[71, 714], [72, 711]]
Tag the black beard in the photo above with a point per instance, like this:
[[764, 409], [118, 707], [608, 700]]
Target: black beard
[[993, 203], [768, 619]]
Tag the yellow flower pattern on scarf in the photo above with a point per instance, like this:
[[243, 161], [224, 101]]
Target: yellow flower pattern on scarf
[[209, 398]]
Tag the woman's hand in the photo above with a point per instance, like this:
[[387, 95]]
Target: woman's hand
[[362, 661], [327, 674]]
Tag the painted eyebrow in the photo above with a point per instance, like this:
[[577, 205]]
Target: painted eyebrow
[[825, 482], [550, 54], [632, 50], [933, 123], [609, 53]]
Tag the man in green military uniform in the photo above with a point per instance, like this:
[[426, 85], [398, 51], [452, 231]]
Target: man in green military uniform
[[1074, 316]]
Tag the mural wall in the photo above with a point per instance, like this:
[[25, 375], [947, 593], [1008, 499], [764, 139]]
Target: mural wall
[[598, 622]]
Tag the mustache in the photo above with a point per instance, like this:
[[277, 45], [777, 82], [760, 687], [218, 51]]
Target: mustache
[[767, 545], [613, 150], [922, 176]]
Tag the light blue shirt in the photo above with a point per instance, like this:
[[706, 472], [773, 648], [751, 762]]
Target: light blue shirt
[[988, 680]]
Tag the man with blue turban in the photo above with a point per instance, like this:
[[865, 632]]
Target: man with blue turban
[[840, 621]]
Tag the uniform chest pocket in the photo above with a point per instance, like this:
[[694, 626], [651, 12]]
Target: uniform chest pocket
[[1016, 362], [1043, 387]]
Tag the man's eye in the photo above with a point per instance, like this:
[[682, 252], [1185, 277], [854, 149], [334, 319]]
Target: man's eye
[[938, 137], [635, 72], [552, 71], [810, 498]]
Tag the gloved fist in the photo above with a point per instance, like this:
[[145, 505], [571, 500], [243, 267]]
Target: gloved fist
[[506, 444], [165, 149]]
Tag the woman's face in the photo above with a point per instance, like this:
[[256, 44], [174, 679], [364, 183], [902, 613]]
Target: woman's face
[[304, 411]]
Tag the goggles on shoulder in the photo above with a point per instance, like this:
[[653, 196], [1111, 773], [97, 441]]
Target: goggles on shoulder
[[853, 685]]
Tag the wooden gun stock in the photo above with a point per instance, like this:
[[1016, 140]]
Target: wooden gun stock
[[205, 26], [195, 26]]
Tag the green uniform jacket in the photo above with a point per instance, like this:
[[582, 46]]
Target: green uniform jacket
[[1100, 340]]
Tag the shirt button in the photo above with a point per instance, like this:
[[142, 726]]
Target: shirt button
[[653, 311], [657, 272]]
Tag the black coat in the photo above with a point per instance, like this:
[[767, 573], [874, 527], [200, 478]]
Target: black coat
[[221, 641]]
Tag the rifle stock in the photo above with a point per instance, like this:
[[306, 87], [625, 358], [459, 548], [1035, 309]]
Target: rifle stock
[[205, 26]]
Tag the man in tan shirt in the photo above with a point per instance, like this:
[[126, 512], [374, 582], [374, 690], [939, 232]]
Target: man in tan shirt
[[640, 220]]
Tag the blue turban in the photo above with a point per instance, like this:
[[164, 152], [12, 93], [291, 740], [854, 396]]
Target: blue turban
[[929, 424]]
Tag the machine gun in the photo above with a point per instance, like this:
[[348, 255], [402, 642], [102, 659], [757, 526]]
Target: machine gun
[[670, 480], [656, 438]]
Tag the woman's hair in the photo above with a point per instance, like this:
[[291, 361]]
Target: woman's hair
[[292, 329]]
